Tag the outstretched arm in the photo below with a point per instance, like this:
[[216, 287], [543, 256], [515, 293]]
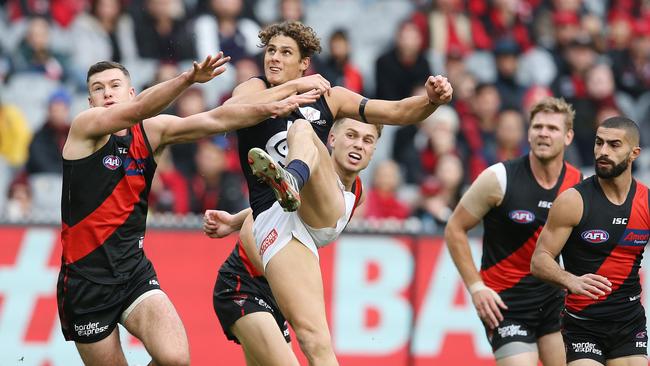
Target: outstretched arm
[[100, 121], [345, 103], [166, 129], [563, 216], [219, 224], [255, 91]]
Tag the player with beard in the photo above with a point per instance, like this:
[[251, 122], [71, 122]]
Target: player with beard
[[521, 314], [601, 227]]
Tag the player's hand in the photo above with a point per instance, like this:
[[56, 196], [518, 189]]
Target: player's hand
[[315, 81], [219, 224], [210, 68], [591, 285], [289, 104], [439, 89], [488, 304]]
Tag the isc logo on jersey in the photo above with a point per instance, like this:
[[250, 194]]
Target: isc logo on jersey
[[522, 216], [595, 236], [112, 162]]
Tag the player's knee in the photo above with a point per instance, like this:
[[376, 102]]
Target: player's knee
[[313, 342], [173, 358], [300, 128]]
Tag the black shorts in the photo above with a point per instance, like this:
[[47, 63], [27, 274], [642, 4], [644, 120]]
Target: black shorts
[[529, 325], [237, 294], [604, 340], [89, 311]]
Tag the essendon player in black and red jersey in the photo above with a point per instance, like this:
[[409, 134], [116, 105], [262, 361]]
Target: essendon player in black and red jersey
[[601, 227], [109, 160], [243, 301], [521, 313]]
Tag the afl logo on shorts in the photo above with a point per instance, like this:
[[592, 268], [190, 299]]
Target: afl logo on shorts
[[595, 236], [521, 216], [112, 162]]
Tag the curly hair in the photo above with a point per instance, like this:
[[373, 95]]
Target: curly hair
[[308, 41]]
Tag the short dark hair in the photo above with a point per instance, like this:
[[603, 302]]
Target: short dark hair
[[106, 65], [624, 123], [307, 40]]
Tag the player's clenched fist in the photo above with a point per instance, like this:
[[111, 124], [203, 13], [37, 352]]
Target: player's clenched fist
[[439, 89]]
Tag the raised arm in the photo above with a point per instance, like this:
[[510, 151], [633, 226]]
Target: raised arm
[[484, 194], [563, 216], [345, 103], [255, 91], [100, 121], [165, 129]]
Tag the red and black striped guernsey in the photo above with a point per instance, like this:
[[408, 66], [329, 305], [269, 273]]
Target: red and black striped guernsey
[[104, 208], [609, 241], [511, 231]]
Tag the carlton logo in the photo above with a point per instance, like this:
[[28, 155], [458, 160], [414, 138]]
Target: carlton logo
[[522, 216], [112, 162], [595, 236]]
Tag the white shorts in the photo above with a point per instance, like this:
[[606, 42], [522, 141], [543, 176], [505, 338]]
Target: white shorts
[[274, 228]]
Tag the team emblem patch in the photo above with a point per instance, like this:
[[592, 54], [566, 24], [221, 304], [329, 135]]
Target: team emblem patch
[[310, 114], [112, 162], [522, 216], [595, 236]]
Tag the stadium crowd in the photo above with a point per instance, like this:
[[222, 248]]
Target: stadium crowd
[[501, 56]]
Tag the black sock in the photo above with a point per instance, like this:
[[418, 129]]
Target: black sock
[[299, 170]]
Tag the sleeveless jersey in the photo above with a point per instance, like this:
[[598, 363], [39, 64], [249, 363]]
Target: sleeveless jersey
[[609, 241], [511, 231], [271, 135], [238, 259], [104, 208]]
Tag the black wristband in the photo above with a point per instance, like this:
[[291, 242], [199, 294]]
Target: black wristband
[[362, 110]]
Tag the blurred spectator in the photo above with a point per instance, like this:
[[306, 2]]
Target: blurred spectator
[[34, 53], [169, 189], [213, 187], [509, 19], [245, 69], [632, 66], [62, 12], [441, 191], [105, 32], [566, 27], [417, 149], [403, 67], [19, 203], [533, 95], [291, 10], [163, 33], [478, 127], [509, 137], [189, 103], [381, 200], [578, 57], [338, 68], [14, 136], [47, 145], [506, 52], [223, 30], [447, 27]]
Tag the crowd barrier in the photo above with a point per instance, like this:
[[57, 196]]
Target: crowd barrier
[[392, 300]]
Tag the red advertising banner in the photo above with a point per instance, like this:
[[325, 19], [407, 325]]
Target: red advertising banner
[[391, 301]]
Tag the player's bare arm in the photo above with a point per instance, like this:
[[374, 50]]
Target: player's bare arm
[[91, 128], [255, 91], [565, 213], [219, 224], [484, 194], [166, 129], [345, 103]]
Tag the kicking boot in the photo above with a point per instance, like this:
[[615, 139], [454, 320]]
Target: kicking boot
[[283, 183]]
